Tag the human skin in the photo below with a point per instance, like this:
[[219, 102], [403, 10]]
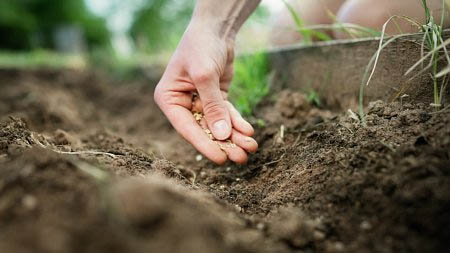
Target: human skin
[[310, 11], [203, 64], [368, 13], [375, 13]]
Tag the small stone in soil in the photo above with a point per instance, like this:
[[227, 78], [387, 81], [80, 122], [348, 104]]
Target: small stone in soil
[[260, 226], [318, 235], [365, 225], [29, 202]]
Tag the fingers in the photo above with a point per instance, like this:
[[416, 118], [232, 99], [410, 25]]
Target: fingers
[[214, 106], [217, 151], [238, 122], [197, 103], [185, 124], [238, 152], [197, 106], [234, 152], [245, 142]]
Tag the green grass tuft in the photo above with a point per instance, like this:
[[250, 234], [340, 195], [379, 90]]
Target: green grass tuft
[[437, 50], [314, 98], [433, 40]]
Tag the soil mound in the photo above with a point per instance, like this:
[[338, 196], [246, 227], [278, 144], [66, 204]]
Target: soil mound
[[90, 167]]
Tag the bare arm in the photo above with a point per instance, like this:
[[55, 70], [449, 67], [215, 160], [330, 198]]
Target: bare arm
[[225, 17]]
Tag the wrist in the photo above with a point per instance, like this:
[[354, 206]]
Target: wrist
[[222, 27], [211, 31], [224, 18]]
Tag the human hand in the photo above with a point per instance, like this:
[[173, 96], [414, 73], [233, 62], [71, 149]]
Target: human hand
[[203, 64]]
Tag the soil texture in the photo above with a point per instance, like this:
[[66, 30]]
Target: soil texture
[[89, 165]]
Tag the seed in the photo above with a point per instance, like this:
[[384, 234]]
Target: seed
[[198, 116]]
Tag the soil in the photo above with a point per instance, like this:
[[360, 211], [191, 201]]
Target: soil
[[87, 165]]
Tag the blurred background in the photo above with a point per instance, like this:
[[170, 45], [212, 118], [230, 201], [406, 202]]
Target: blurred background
[[111, 34]]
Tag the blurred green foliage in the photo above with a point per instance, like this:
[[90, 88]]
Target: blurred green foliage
[[119, 67], [40, 59], [250, 82], [159, 24], [261, 14], [314, 98], [29, 24]]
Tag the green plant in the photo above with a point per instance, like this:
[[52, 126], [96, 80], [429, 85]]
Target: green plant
[[432, 41], [250, 83], [314, 98], [371, 67]]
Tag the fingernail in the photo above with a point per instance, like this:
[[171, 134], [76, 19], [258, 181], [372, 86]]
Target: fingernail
[[221, 130], [248, 139]]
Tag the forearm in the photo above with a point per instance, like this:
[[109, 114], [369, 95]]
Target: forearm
[[225, 17]]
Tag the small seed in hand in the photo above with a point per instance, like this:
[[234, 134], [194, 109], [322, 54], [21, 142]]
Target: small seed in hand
[[198, 116]]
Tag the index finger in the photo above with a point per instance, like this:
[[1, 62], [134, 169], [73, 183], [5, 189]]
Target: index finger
[[183, 121]]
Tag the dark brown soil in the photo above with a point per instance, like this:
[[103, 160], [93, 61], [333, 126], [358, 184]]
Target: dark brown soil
[[89, 166]]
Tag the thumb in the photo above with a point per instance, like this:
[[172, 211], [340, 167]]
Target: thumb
[[214, 107]]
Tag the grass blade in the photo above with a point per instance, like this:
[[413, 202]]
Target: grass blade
[[299, 23], [380, 47], [432, 52]]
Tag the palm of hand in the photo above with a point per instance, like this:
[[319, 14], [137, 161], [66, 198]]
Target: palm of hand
[[203, 65]]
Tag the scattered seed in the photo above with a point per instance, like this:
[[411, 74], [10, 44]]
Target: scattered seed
[[318, 235], [339, 247], [353, 115], [365, 225], [260, 226], [198, 116], [29, 202]]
